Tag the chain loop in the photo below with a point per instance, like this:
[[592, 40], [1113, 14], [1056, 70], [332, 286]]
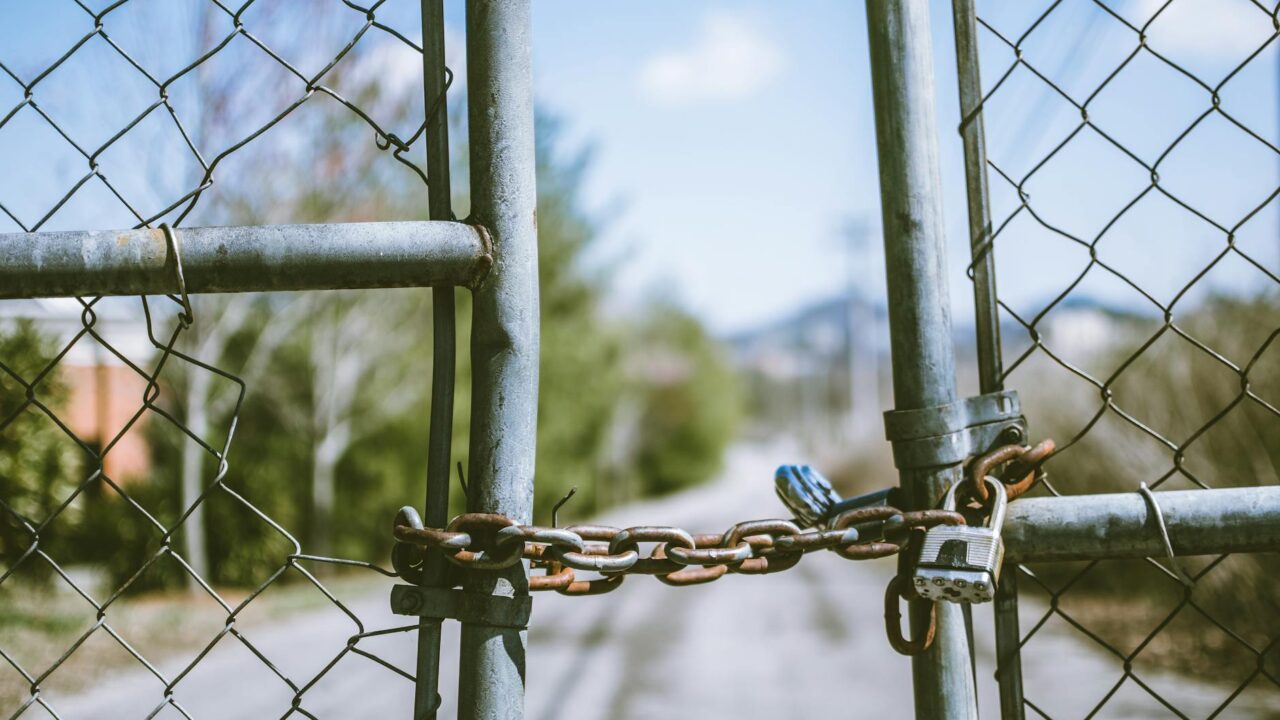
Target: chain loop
[[1027, 467], [1023, 467], [761, 536], [631, 538], [485, 541], [893, 621], [483, 528]]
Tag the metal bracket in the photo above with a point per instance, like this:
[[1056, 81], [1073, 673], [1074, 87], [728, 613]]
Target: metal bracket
[[441, 603], [947, 434]]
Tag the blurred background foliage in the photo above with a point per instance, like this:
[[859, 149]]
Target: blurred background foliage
[[38, 467]]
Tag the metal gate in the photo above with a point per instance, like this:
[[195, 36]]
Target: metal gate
[[934, 430]]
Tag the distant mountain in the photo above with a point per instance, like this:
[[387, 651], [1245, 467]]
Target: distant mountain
[[819, 334]]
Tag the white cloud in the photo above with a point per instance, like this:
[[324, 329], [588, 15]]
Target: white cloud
[[1212, 29], [729, 59]]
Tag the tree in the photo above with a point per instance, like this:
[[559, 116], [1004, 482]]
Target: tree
[[689, 403], [39, 462]]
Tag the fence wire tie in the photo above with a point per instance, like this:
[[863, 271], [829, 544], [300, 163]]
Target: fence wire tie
[[1150, 498], [187, 316]]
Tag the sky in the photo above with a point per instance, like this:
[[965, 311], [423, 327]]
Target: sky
[[740, 139], [743, 136], [733, 144]]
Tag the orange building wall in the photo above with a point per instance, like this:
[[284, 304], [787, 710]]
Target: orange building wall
[[103, 400]]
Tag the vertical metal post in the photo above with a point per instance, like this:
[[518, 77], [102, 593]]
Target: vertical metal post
[[973, 133], [443, 364], [919, 317], [987, 321], [504, 335]]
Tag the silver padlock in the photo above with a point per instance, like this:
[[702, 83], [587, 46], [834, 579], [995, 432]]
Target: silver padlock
[[962, 563]]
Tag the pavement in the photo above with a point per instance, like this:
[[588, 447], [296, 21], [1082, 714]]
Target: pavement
[[805, 643]]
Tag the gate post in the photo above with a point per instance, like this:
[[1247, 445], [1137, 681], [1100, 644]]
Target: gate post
[[919, 315], [504, 334], [986, 322]]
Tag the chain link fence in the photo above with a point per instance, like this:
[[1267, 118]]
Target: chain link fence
[[1131, 160], [201, 111], [1132, 175]]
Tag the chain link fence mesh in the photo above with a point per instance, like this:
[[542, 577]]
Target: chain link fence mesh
[[1132, 162], [158, 100], [1132, 168]]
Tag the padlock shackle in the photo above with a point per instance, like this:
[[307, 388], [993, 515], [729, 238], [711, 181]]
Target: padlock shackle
[[1000, 503]]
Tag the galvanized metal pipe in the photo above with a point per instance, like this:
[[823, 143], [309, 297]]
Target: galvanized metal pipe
[[1122, 525], [243, 259], [986, 319], [919, 318], [504, 333], [444, 352], [974, 136]]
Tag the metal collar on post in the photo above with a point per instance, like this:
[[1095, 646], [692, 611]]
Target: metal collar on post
[[948, 434]]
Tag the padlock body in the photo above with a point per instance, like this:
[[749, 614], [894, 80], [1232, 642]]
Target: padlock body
[[959, 563]]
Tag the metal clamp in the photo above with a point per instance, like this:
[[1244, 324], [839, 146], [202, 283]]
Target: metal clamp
[[186, 317], [947, 434], [1164, 535], [441, 603]]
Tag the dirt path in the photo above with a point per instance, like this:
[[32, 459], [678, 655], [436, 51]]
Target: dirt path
[[805, 643]]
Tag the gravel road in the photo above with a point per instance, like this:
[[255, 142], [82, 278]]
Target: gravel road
[[805, 643]]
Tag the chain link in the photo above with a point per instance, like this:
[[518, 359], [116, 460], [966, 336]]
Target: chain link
[[484, 541]]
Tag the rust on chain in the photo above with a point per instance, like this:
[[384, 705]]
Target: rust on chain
[[711, 555], [857, 516], [1023, 464], [486, 541], [982, 466], [599, 586], [631, 538], [818, 540], [432, 537], [692, 575], [595, 586], [552, 537], [862, 519], [596, 556], [575, 585], [558, 577], [761, 536], [931, 518], [868, 551], [484, 553], [921, 638], [1024, 469]]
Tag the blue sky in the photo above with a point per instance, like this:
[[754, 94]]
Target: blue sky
[[737, 136], [740, 138], [735, 140]]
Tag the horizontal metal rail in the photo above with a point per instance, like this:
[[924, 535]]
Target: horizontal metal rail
[[243, 259], [1122, 525]]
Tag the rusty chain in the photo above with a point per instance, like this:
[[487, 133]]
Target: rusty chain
[[1022, 469], [487, 541]]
